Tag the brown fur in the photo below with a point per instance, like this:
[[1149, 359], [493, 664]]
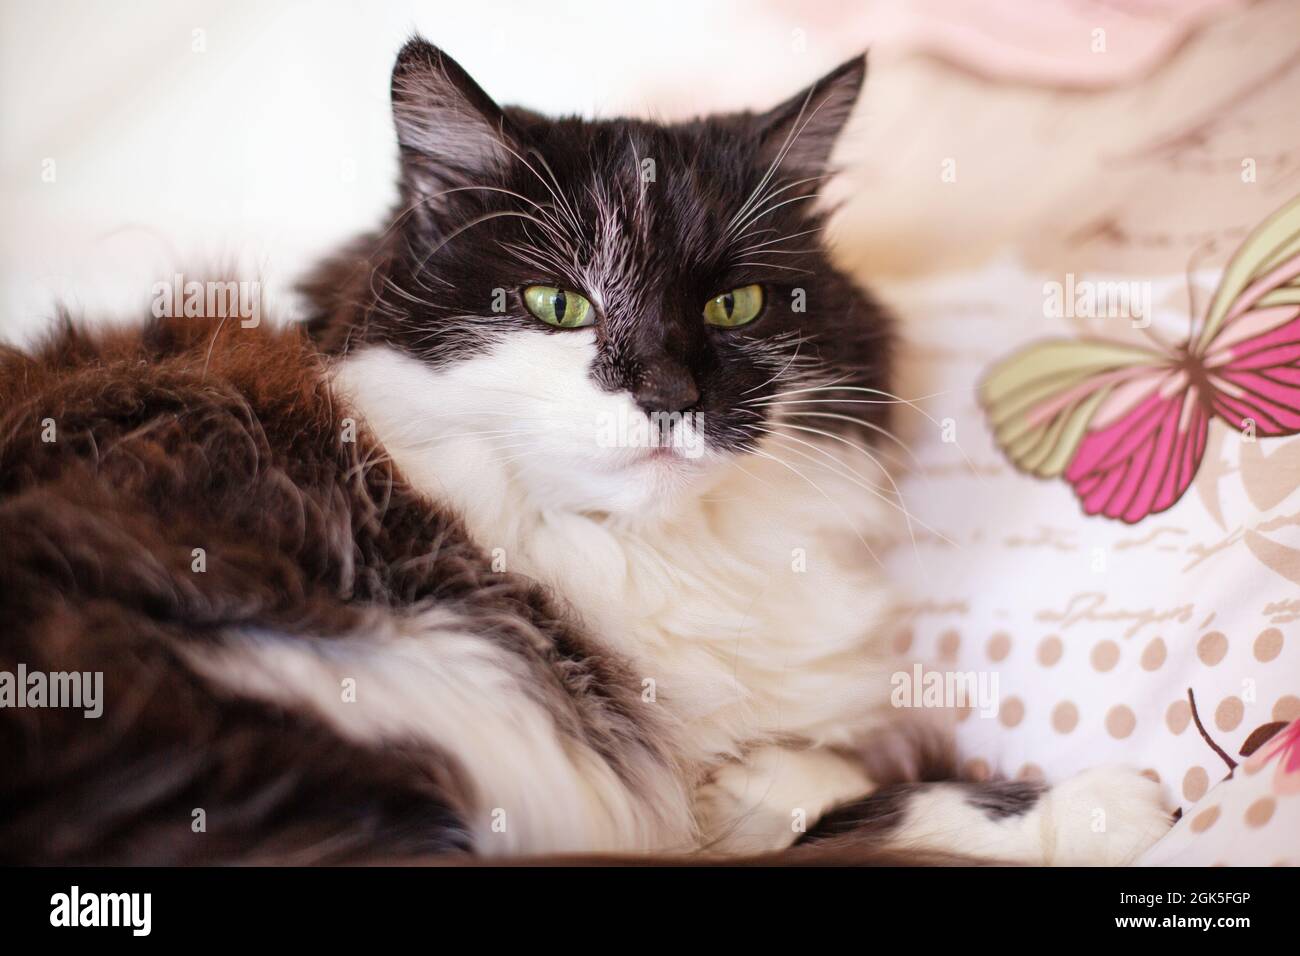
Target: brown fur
[[190, 434]]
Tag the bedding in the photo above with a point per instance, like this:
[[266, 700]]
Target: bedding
[[1171, 643], [1028, 214]]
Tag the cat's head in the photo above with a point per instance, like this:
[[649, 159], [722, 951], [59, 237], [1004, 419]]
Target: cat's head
[[621, 307]]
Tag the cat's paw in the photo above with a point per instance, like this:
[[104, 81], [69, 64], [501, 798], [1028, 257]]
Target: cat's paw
[[1108, 816], [764, 803]]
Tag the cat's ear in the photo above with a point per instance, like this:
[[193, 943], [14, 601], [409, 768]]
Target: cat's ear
[[450, 132], [800, 133]]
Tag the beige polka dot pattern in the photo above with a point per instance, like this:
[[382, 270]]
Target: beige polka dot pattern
[[1113, 692], [1050, 650], [1105, 655], [1287, 708], [1205, 819], [1229, 713], [1153, 655], [1212, 648], [1195, 783], [1120, 721], [1268, 645], [1260, 812], [1178, 716], [1012, 712], [1065, 717]]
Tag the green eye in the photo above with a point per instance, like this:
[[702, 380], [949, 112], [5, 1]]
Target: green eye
[[737, 307], [559, 307]]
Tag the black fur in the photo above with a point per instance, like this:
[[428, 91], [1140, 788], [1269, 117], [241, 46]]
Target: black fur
[[873, 818], [494, 200], [195, 432], [1005, 798]]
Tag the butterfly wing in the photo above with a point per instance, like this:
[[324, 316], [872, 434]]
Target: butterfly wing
[[1254, 371], [1250, 345], [1120, 423], [1264, 272], [1140, 462]]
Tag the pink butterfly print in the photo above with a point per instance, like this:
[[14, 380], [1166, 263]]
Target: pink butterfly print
[[1127, 426]]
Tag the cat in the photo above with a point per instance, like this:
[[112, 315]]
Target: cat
[[552, 531]]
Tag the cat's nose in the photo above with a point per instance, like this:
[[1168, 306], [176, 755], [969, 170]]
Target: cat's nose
[[667, 390]]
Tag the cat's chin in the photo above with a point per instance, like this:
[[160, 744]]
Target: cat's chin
[[643, 484]]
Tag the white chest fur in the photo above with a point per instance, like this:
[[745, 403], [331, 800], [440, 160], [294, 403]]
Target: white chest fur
[[746, 601]]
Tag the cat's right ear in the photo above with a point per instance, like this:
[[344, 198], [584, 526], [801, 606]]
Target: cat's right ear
[[450, 132], [799, 134]]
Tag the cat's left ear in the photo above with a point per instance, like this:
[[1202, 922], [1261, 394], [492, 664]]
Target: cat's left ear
[[802, 130], [450, 132]]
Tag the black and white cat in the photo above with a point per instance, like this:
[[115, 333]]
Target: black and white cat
[[595, 577]]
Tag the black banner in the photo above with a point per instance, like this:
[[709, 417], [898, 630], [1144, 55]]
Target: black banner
[[334, 905]]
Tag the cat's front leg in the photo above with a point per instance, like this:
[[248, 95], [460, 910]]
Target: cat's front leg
[[1107, 816]]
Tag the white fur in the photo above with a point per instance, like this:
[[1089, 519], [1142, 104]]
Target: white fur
[[426, 679], [746, 599], [741, 589], [1107, 816]]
